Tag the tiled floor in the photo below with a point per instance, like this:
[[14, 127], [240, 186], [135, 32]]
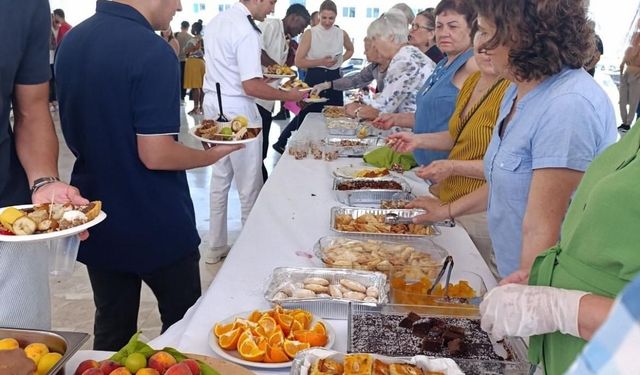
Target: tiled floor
[[72, 298]]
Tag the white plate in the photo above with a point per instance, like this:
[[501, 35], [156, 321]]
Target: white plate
[[192, 131], [318, 100], [287, 89], [233, 356], [278, 76], [49, 236], [349, 171]]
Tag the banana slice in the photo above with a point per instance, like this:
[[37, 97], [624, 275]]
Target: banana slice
[[24, 226]]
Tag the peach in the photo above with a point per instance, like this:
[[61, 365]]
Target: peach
[[93, 371], [108, 366], [161, 361], [193, 366], [121, 371], [85, 365], [179, 369], [147, 371]]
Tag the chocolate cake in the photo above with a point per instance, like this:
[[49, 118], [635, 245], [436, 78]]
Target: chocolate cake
[[439, 337]]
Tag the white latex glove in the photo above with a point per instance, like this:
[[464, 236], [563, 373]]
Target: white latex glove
[[320, 87], [523, 311]]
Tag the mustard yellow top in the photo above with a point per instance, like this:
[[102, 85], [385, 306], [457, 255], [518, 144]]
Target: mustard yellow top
[[472, 134]]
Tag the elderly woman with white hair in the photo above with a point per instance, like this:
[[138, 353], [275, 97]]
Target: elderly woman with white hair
[[408, 68]]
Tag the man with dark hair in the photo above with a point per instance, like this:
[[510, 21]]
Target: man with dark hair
[[60, 25], [183, 37], [127, 155], [315, 18], [276, 39], [28, 158]]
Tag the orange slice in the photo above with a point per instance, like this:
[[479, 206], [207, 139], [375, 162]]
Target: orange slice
[[250, 351], [268, 325], [285, 322], [277, 338], [254, 316], [245, 335], [229, 340], [275, 354], [313, 338], [291, 348], [221, 329], [319, 328]]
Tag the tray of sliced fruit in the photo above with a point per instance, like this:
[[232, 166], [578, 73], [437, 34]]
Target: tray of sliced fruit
[[236, 131], [28, 222], [269, 338]]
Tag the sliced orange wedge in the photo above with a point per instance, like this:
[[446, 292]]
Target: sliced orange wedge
[[229, 340], [319, 328], [250, 351], [221, 329], [313, 338], [291, 348]]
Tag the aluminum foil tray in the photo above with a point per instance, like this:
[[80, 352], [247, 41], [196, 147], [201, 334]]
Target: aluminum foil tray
[[361, 248], [305, 359], [513, 349], [355, 212], [329, 308], [370, 197], [364, 146], [65, 343]]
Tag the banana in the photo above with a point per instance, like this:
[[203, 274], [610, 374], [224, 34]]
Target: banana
[[23, 226]]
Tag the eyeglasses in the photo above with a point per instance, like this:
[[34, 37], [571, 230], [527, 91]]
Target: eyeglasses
[[415, 27]]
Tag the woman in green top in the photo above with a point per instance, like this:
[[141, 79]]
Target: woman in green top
[[596, 257]]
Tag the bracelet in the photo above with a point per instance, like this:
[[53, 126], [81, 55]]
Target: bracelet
[[42, 181]]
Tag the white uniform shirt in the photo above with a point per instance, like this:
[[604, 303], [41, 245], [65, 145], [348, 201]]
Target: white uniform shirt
[[274, 43], [232, 54]]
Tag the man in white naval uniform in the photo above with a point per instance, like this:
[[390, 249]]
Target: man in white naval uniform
[[232, 54]]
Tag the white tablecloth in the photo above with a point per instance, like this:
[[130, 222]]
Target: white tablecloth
[[290, 215]]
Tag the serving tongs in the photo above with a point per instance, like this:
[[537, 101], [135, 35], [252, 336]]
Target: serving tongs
[[221, 116], [393, 218], [448, 267]]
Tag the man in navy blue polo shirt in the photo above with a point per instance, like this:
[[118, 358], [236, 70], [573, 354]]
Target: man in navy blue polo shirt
[[28, 157], [119, 93]]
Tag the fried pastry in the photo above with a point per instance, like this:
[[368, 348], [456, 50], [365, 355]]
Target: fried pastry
[[326, 367], [404, 369], [380, 368], [358, 364]]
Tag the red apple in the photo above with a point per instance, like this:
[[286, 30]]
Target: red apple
[[108, 366], [193, 366], [85, 365]]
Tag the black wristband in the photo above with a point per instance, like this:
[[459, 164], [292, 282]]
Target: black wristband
[[42, 181]]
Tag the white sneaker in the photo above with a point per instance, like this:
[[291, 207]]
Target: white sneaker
[[216, 254]]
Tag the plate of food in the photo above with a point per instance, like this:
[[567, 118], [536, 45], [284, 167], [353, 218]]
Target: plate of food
[[270, 338], [29, 222], [234, 132], [295, 83], [360, 171], [279, 71], [315, 98]]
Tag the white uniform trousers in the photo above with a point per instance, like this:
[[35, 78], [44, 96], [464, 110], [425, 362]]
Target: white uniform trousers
[[245, 165], [24, 285]]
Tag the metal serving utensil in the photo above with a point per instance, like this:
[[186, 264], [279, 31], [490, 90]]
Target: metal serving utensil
[[393, 219], [448, 263]]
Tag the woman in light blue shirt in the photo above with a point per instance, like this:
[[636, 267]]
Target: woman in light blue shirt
[[435, 101], [554, 120]]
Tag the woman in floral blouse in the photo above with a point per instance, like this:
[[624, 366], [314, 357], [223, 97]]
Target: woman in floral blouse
[[407, 71]]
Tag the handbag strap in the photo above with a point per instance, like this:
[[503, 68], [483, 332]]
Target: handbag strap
[[475, 108]]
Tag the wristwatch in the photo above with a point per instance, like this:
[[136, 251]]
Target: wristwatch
[[42, 181]]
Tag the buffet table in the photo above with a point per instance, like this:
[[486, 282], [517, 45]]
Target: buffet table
[[290, 215]]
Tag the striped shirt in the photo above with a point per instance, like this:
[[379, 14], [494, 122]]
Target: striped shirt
[[472, 133]]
